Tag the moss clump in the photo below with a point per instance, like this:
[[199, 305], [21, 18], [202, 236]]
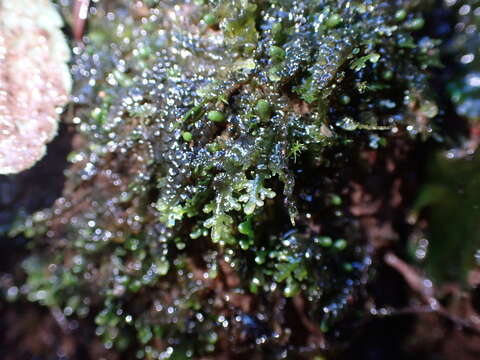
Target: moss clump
[[202, 196]]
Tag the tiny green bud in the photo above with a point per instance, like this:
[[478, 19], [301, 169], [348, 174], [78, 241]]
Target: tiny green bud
[[340, 244], [135, 286], [291, 289], [400, 15], [216, 116], [374, 58], [277, 53], [263, 109], [254, 285], [324, 241], [213, 147], [415, 24], [334, 20], [276, 28], [187, 136], [335, 200], [324, 326], [210, 19], [244, 244], [347, 267], [180, 245], [245, 228], [277, 32], [273, 73], [144, 51], [260, 258], [345, 99], [387, 75]]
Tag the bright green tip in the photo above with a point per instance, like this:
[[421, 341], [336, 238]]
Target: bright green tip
[[210, 20], [187, 136], [263, 109], [340, 244], [277, 53], [216, 116], [400, 15], [334, 20], [345, 99], [415, 24]]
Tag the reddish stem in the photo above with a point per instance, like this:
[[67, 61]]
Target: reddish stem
[[80, 12]]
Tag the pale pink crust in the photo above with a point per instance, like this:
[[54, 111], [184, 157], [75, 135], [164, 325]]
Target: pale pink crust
[[32, 87]]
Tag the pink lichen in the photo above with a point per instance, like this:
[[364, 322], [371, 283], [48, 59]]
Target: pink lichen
[[34, 81]]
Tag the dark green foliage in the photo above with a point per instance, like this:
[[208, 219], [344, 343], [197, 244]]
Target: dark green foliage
[[182, 221], [452, 198]]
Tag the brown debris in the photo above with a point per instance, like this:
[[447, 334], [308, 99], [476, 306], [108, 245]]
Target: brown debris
[[459, 310]]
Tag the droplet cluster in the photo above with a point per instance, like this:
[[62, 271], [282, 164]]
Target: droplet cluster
[[203, 201]]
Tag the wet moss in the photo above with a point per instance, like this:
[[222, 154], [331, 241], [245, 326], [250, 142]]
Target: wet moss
[[197, 201]]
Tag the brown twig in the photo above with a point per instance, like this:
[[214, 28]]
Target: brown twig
[[419, 284], [426, 291]]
